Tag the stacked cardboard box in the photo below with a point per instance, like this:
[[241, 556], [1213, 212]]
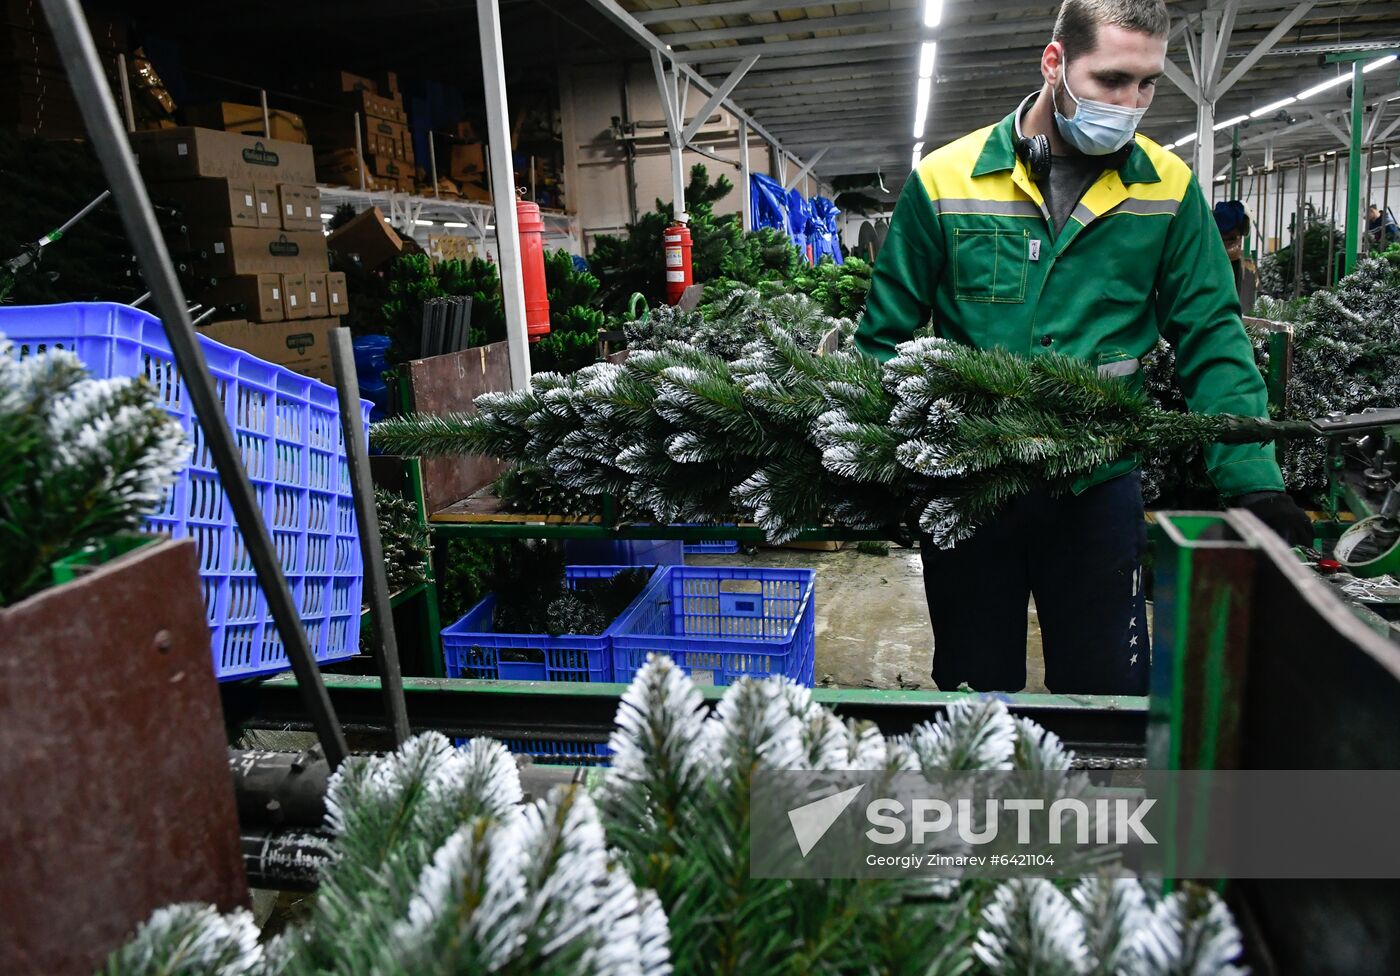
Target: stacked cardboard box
[[387, 160], [35, 97], [248, 119], [248, 225]]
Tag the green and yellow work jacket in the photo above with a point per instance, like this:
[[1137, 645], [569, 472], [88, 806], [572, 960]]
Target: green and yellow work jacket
[[972, 247]]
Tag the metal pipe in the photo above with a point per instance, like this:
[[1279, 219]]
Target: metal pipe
[[1358, 116], [267, 119], [359, 150], [745, 193], [386, 648], [110, 142], [1323, 163], [127, 107], [432, 163], [1332, 220], [493, 72], [1300, 229]]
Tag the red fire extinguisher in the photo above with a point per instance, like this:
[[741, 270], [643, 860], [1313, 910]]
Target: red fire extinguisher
[[532, 269], [676, 243]]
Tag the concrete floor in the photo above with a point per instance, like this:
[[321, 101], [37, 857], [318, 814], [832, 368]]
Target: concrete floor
[[872, 621]]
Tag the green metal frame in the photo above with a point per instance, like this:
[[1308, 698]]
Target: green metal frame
[[1101, 724], [426, 658], [1358, 118]]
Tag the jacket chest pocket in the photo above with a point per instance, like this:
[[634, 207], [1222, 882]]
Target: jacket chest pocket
[[989, 264]]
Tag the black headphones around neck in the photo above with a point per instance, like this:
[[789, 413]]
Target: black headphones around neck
[[1035, 152]]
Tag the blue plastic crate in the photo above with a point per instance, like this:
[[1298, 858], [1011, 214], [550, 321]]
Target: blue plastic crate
[[712, 548], [558, 752], [721, 623], [287, 427], [623, 552], [472, 649]]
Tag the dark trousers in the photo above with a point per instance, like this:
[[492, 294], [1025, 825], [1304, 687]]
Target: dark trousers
[[1081, 557]]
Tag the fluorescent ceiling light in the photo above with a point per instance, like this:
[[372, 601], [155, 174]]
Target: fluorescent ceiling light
[[926, 55], [933, 12], [1329, 83], [490, 226], [921, 108], [1229, 122], [1273, 107], [1381, 169], [424, 223], [915, 157], [453, 223], [1186, 140], [1378, 63], [1169, 146], [327, 216]]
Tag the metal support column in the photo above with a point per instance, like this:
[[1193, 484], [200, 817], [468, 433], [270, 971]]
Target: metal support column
[[670, 107], [745, 193], [1205, 107], [493, 73], [109, 140], [1358, 119]]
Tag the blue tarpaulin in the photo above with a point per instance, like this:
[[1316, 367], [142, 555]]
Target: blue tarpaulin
[[825, 235], [799, 213], [768, 202]]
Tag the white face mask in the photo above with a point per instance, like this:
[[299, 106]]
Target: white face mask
[[1098, 128]]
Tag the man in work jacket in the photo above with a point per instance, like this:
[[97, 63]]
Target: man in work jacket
[[1060, 230]]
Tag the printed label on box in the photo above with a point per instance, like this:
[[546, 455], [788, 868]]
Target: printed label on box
[[290, 211], [247, 199], [218, 247], [335, 298], [277, 294], [312, 298], [258, 156], [181, 149]]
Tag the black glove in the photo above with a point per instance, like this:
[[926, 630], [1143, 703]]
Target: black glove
[[1278, 511]]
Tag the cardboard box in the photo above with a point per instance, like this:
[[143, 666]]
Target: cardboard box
[[248, 119], [211, 203], [300, 206], [390, 138], [257, 298], [475, 191], [249, 250], [368, 237], [317, 301], [302, 346], [187, 153], [295, 304], [388, 167], [269, 211], [372, 106], [346, 81], [338, 298], [467, 163]]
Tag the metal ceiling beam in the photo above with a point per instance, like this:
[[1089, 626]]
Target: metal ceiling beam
[[1264, 46], [802, 25], [716, 97], [856, 59], [806, 168], [697, 11], [845, 42], [622, 19], [870, 74]]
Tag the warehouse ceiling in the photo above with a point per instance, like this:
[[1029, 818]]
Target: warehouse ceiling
[[835, 76], [844, 75]]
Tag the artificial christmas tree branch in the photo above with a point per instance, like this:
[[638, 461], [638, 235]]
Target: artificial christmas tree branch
[[943, 434]]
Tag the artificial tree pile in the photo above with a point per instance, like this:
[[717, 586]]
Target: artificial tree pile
[[1346, 358], [942, 434], [439, 868], [1320, 241], [405, 538], [80, 460]]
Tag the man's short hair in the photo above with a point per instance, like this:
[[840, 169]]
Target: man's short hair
[[1077, 26]]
